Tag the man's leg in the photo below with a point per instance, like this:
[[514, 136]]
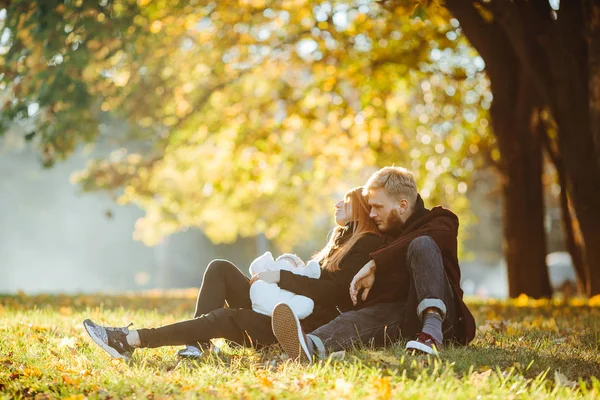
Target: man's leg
[[431, 305], [377, 325]]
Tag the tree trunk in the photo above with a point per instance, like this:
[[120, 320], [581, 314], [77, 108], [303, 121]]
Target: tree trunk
[[573, 239], [515, 121], [592, 229], [593, 36], [514, 116], [555, 54], [573, 243], [572, 110], [584, 185]]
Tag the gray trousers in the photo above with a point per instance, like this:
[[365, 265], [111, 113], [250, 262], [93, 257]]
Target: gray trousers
[[385, 323]]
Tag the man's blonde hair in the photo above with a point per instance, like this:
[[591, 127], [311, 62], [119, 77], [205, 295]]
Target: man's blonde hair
[[398, 182]]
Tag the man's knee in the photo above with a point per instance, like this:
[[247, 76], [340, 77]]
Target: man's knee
[[421, 245], [344, 322], [348, 317]]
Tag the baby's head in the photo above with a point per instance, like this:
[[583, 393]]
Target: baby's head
[[292, 259]]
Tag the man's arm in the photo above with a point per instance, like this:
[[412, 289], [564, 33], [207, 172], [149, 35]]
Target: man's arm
[[364, 279]]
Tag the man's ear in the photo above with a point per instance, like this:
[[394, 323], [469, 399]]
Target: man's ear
[[404, 206]]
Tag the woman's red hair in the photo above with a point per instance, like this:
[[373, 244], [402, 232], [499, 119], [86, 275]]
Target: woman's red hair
[[334, 252]]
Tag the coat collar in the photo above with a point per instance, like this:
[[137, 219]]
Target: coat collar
[[418, 212]]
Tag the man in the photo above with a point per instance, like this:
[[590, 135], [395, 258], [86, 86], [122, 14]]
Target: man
[[410, 288]]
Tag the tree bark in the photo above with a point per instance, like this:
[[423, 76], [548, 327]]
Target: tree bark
[[573, 239], [569, 66], [555, 55], [515, 115], [515, 122], [589, 209], [584, 186], [593, 37], [574, 245]]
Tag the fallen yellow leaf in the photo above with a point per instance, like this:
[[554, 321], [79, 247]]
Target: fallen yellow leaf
[[594, 301], [383, 387]]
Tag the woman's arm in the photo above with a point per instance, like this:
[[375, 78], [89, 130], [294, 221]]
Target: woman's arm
[[333, 287]]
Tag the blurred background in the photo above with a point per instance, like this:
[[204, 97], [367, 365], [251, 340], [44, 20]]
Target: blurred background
[[141, 139]]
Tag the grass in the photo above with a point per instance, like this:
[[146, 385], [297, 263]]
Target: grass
[[524, 349]]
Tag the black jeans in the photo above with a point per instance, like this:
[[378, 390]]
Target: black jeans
[[223, 285], [388, 322]]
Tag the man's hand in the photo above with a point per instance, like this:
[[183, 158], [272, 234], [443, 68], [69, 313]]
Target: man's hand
[[364, 279], [267, 276]]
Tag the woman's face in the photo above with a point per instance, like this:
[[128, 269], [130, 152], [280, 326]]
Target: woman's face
[[343, 212]]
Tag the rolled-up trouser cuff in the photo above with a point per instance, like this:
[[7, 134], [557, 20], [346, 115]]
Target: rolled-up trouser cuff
[[428, 303], [318, 343]]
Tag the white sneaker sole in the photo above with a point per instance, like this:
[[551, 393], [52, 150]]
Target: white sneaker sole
[[288, 332], [101, 343], [418, 346]]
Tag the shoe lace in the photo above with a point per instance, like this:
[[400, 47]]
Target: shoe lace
[[117, 338]]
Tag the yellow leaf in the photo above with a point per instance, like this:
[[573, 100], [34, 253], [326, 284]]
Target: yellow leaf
[[594, 301], [383, 388], [69, 381], [263, 379], [65, 310], [32, 371], [75, 397], [522, 300]]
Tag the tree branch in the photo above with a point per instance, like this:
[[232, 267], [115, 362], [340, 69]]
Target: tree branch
[[484, 36], [527, 30]]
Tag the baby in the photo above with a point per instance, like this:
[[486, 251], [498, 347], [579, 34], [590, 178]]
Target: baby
[[265, 295]]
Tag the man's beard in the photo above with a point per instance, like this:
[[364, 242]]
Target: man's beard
[[394, 223]]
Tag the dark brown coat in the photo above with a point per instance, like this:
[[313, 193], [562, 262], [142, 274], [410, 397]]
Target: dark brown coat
[[442, 226], [331, 291]]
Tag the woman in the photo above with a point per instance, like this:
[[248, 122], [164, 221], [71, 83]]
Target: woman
[[224, 284]]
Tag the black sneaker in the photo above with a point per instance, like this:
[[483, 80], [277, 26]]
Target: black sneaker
[[289, 334], [112, 340]]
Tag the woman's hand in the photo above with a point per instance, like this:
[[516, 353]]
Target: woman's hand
[[364, 279], [267, 276]]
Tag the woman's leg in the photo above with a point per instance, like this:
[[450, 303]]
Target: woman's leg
[[241, 326], [223, 283]]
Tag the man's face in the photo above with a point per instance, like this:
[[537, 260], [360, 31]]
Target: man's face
[[386, 212]]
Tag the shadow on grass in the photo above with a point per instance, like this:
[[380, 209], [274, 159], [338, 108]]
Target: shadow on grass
[[530, 363], [161, 301]]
